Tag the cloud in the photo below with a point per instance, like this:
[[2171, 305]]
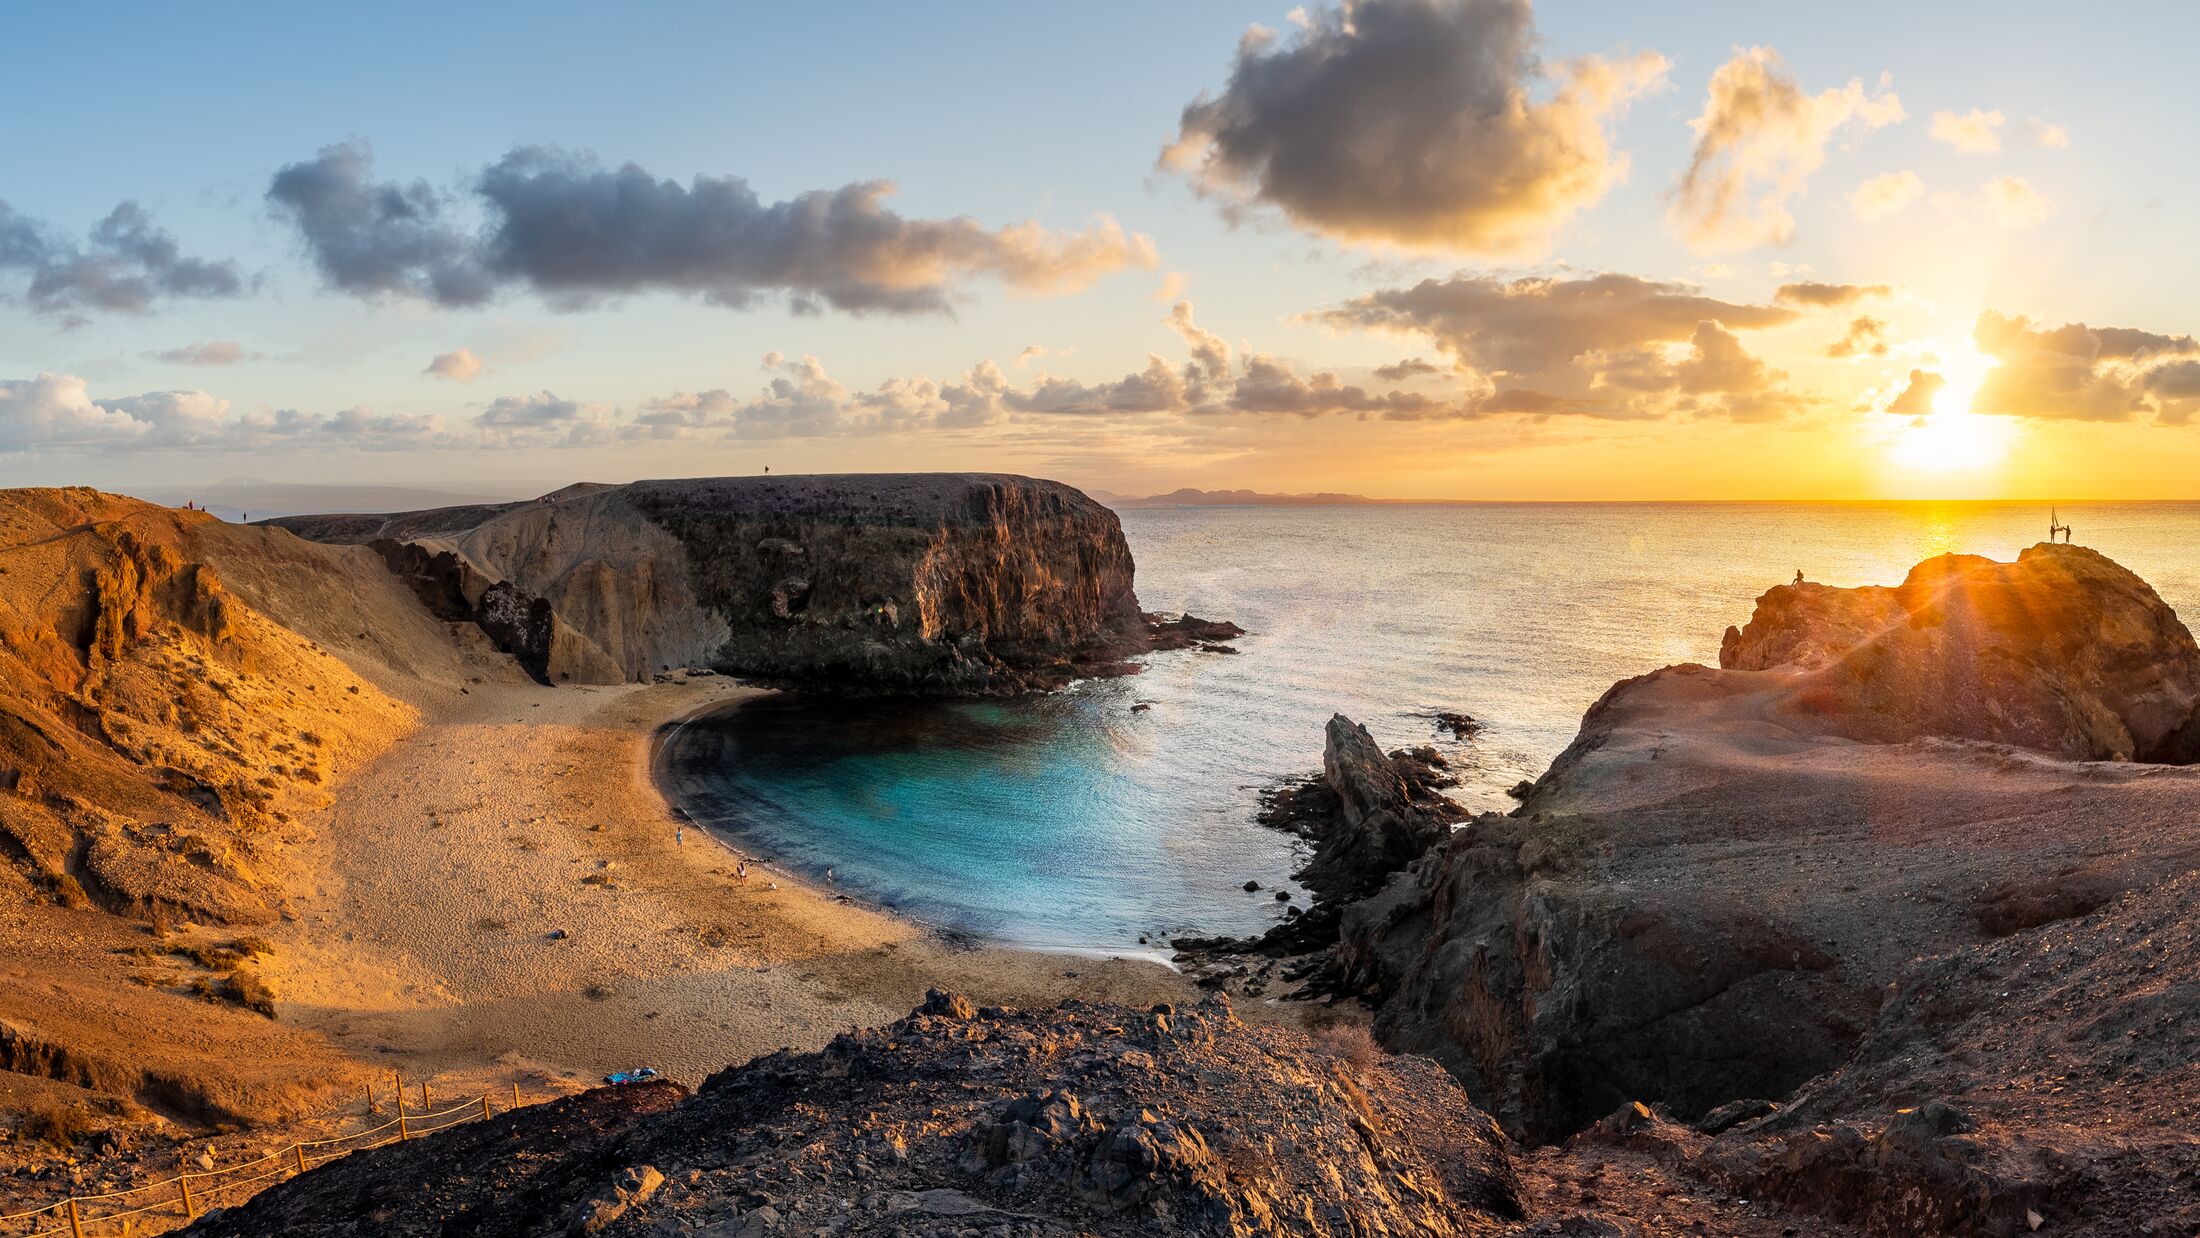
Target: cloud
[[1538, 323], [2077, 372], [1975, 132], [212, 352], [1813, 295], [1427, 124], [544, 420], [1411, 367], [1607, 346], [575, 232], [460, 365], [1867, 336], [2014, 202], [55, 412], [1885, 194], [2046, 135], [124, 265], [1758, 139], [803, 400], [1916, 397]]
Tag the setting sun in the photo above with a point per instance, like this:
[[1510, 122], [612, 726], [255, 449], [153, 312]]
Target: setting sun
[[1947, 437]]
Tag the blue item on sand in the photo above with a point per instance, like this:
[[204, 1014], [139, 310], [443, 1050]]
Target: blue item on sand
[[643, 1075]]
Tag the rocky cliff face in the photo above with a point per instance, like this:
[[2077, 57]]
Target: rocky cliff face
[[955, 583], [1708, 896], [1082, 1120]]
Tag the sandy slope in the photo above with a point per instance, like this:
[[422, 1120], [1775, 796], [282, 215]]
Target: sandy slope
[[446, 865]]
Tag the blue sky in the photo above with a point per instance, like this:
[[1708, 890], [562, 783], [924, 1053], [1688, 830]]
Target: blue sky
[[1054, 113]]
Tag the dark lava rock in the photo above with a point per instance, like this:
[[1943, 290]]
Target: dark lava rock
[[1086, 1119]]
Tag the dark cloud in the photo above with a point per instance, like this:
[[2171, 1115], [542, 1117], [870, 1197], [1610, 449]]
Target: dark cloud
[[212, 352], [2077, 372], [1828, 296], [372, 239], [1866, 336], [575, 232], [1426, 123], [1535, 324], [125, 264]]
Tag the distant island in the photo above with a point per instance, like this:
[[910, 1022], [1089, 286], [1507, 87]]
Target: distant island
[[1189, 497]]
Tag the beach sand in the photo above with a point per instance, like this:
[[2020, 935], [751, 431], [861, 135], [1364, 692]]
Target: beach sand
[[423, 935]]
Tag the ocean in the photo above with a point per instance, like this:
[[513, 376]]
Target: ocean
[[1074, 821]]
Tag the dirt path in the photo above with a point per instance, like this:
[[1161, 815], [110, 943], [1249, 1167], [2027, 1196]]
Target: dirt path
[[428, 937]]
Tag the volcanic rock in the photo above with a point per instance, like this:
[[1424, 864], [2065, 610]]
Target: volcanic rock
[[2062, 651], [1709, 895], [955, 583], [1086, 1119]]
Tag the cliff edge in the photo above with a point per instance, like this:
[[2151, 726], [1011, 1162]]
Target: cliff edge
[[960, 583]]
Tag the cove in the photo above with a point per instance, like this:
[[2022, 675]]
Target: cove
[[1018, 819]]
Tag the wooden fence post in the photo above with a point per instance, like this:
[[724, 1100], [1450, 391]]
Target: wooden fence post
[[369, 1085], [76, 1224], [401, 1134], [484, 1106], [190, 1211], [426, 1106], [300, 1149], [515, 1093]]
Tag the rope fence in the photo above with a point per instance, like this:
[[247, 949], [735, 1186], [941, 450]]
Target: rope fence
[[187, 1195]]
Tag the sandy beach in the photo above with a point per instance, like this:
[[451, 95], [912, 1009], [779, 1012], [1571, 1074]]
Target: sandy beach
[[504, 892]]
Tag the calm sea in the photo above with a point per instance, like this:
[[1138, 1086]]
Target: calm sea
[[1075, 821]]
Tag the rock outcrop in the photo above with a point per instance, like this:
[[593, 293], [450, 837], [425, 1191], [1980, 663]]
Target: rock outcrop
[[1082, 1120], [1368, 815], [2062, 651], [949, 583], [1708, 896]]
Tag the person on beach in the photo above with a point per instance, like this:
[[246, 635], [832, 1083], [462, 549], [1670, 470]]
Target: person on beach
[[828, 874], [679, 836], [741, 870]]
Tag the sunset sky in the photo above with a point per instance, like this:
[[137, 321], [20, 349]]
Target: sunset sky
[[1407, 248]]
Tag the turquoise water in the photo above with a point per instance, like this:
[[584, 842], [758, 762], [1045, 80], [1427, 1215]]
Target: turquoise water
[[1075, 821]]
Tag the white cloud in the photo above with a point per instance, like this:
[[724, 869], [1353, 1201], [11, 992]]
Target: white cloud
[[2015, 203], [2046, 135], [1885, 194], [1758, 140], [459, 365], [1974, 132]]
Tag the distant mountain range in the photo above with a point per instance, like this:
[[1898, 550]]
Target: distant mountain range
[[1189, 497]]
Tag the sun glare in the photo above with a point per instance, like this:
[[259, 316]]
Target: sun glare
[[1951, 438]]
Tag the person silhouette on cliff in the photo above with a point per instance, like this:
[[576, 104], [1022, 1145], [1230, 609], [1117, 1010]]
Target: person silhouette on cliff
[[1798, 575]]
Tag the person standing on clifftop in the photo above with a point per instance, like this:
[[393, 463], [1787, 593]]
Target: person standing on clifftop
[[1798, 575]]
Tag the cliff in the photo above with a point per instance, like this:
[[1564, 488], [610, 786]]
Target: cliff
[[1087, 1119], [951, 583], [1891, 853]]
